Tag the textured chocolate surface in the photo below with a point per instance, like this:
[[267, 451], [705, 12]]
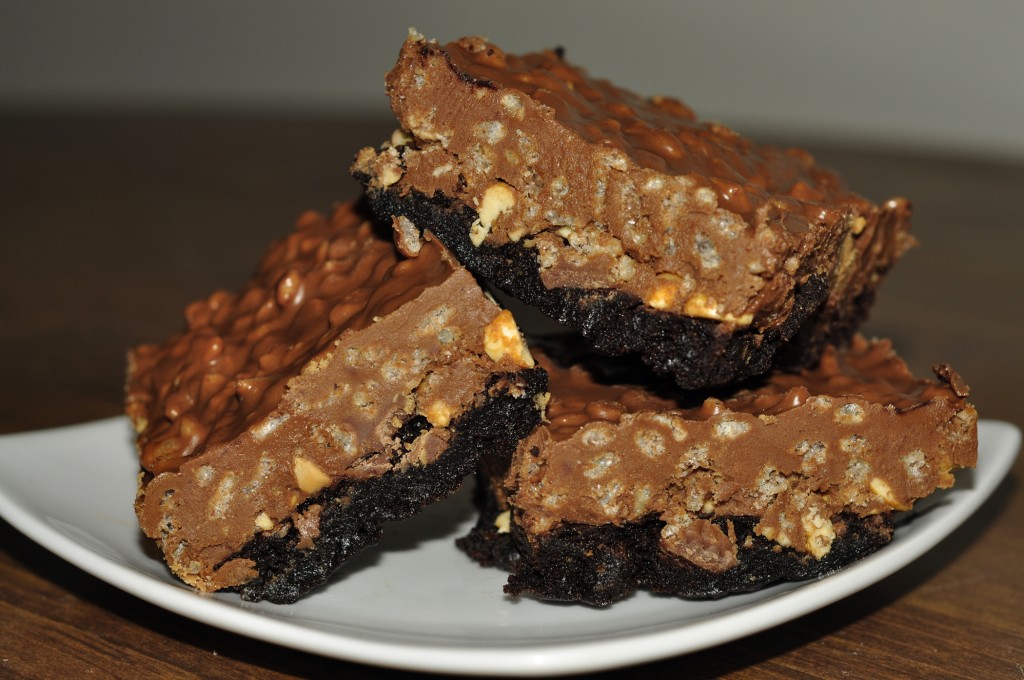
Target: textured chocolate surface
[[609, 192], [695, 352], [229, 369], [350, 515], [339, 362], [798, 461]]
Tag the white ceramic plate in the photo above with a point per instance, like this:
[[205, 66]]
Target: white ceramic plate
[[415, 601]]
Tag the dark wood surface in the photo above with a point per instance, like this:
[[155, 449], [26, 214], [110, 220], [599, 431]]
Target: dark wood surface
[[112, 223]]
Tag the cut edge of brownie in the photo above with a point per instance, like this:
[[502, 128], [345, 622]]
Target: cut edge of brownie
[[696, 352], [354, 513], [602, 564]]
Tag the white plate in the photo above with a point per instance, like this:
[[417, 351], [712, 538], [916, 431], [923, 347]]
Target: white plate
[[415, 601]]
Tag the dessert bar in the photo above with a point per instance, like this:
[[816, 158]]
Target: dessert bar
[[345, 385], [627, 218], [790, 478]]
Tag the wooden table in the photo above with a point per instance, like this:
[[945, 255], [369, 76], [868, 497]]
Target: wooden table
[[112, 223]]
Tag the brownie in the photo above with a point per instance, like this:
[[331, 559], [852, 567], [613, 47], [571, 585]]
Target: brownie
[[345, 385], [626, 218], [791, 477]]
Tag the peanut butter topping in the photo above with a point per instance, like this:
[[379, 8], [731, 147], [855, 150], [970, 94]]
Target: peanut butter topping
[[232, 364], [339, 360], [858, 434], [660, 133], [868, 370], [615, 191]]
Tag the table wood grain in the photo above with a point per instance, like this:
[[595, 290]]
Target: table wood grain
[[112, 222]]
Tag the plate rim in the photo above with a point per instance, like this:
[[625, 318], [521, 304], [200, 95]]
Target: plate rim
[[528, 658]]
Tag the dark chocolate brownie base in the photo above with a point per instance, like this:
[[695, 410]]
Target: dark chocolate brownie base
[[695, 352], [354, 512], [600, 565]]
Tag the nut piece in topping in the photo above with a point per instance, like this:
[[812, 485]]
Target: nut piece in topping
[[820, 534], [666, 291], [308, 476], [703, 307], [387, 166], [264, 522], [881, 488], [439, 413], [497, 199], [503, 339]]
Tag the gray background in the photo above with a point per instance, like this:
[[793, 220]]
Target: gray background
[[932, 74]]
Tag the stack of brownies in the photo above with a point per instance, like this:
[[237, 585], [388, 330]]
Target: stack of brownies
[[712, 424]]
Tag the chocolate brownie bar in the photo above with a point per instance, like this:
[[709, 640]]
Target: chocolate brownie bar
[[790, 478], [627, 218], [343, 386]]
